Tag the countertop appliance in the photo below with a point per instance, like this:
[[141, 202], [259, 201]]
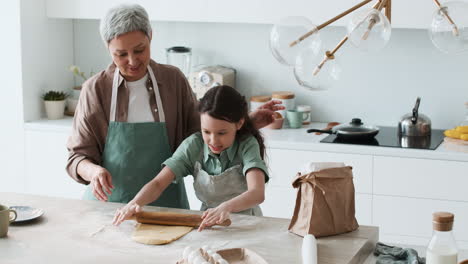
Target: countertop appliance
[[181, 57], [210, 76], [388, 137]]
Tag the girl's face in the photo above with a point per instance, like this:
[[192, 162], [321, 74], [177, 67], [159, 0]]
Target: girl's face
[[131, 53], [218, 134]]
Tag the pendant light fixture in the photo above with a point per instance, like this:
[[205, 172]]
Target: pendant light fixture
[[295, 41]]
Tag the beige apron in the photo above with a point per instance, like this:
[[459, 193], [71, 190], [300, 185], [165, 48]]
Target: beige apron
[[212, 190]]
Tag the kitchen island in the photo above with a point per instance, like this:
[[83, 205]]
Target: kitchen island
[[77, 231]]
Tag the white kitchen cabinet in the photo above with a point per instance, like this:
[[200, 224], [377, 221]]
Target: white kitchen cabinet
[[284, 164], [412, 217], [405, 14], [194, 203], [46, 158], [280, 202], [364, 208], [421, 178]]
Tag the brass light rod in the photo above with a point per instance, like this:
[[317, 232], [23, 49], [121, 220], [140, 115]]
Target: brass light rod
[[331, 55], [455, 30], [319, 27]]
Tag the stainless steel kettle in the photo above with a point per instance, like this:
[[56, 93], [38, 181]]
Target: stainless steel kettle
[[414, 124]]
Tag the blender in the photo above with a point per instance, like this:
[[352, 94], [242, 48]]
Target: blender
[[180, 57]]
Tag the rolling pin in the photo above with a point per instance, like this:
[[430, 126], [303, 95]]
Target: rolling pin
[[309, 250], [173, 219]]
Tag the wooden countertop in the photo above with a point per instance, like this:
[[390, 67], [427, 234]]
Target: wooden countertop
[[77, 231]]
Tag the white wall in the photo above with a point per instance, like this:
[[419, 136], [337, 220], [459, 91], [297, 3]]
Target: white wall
[[47, 52], [36, 53], [11, 112], [378, 87]]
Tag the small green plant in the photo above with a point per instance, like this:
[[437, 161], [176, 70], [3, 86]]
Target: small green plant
[[77, 72], [54, 96]]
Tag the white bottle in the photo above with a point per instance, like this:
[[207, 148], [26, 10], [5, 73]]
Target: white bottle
[[442, 249], [309, 250]]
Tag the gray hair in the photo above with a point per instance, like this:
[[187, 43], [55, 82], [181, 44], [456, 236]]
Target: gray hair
[[123, 19]]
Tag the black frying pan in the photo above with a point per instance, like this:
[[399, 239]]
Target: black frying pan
[[355, 130]]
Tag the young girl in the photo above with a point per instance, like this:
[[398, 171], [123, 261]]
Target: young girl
[[225, 159]]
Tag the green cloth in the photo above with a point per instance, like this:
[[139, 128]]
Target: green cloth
[[245, 153], [396, 255], [133, 154]]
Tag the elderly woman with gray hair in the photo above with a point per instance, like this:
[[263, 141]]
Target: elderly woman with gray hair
[[133, 115]]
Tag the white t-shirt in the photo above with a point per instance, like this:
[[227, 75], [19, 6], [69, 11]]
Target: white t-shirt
[[139, 109]]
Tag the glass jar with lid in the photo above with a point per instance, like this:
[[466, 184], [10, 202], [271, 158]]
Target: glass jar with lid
[[442, 249], [287, 100], [181, 57], [257, 101]]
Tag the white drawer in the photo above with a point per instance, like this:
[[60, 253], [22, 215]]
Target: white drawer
[[364, 209], [421, 178], [413, 217], [285, 164], [280, 202], [45, 161]]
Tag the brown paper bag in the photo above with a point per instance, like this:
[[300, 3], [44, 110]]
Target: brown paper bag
[[324, 203]]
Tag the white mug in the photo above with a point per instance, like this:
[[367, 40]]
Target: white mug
[[7, 216]]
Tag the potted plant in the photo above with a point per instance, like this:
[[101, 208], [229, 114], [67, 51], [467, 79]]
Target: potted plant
[[54, 102]]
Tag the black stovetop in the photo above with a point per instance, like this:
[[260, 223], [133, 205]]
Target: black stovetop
[[388, 137]]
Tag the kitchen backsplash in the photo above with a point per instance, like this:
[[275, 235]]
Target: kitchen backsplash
[[377, 87]]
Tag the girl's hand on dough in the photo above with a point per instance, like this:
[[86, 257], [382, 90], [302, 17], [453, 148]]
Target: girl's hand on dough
[[214, 216], [125, 213]]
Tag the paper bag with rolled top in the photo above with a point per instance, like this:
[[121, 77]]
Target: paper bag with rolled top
[[324, 203]]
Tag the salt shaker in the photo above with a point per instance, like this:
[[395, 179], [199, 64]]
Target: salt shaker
[[442, 249]]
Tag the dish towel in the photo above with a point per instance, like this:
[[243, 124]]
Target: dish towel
[[395, 255]]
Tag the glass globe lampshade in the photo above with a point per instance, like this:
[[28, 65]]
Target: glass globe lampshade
[[286, 31], [445, 36], [369, 30], [306, 73]]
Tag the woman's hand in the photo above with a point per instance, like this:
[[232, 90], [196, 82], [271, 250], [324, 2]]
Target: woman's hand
[[101, 183], [263, 116], [214, 216], [125, 213]]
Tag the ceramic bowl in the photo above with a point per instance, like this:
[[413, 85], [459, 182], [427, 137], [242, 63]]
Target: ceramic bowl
[[277, 124]]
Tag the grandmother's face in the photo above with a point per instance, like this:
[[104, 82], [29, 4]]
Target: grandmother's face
[[131, 53]]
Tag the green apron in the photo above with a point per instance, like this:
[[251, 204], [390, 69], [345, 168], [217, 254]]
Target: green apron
[[133, 155]]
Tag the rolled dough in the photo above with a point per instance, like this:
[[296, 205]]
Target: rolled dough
[[158, 234]]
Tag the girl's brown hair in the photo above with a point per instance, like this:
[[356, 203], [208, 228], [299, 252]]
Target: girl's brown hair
[[225, 103]]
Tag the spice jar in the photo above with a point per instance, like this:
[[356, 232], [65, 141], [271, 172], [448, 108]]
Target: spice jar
[[286, 98], [305, 109], [257, 101], [442, 249]]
